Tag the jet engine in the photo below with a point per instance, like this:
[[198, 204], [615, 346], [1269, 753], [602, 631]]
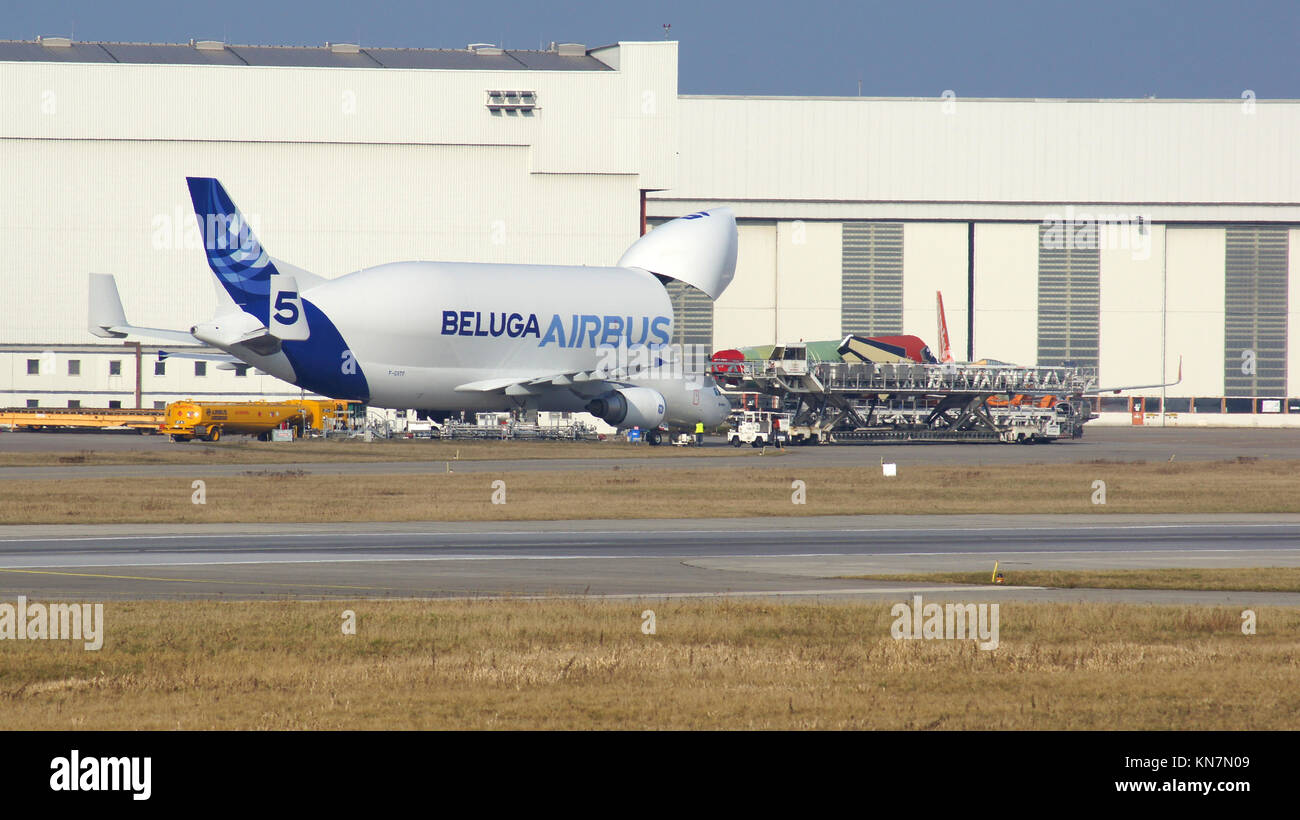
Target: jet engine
[[629, 407]]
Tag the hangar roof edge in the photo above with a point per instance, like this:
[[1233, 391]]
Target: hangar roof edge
[[59, 50], [814, 98]]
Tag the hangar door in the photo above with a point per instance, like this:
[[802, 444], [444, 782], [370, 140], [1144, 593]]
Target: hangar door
[[1069, 300], [1255, 306], [872, 286]]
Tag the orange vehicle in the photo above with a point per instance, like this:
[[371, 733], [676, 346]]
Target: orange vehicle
[[186, 420], [1022, 401]]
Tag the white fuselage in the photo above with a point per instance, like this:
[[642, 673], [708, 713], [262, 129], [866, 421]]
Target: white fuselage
[[419, 330]]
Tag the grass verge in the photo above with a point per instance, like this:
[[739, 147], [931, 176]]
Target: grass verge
[[1225, 579], [646, 492], [572, 664], [250, 451]]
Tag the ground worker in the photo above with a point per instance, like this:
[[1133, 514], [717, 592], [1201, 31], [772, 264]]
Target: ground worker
[[699, 434]]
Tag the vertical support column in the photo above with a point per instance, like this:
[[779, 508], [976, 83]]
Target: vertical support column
[[970, 292], [138, 375]]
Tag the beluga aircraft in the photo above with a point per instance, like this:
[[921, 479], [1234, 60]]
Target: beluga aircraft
[[461, 335]]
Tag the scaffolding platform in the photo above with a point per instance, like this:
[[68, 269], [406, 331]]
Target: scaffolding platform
[[834, 402]]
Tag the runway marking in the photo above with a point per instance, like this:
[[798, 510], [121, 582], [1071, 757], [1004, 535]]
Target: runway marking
[[687, 560], [743, 593], [183, 580], [664, 534], [343, 561]]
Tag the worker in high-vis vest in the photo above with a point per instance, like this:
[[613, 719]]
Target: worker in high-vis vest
[[699, 434]]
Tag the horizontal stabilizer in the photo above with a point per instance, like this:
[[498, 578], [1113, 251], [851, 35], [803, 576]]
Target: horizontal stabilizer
[[1143, 386], [107, 320]]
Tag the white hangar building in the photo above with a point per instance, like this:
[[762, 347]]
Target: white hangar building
[[1120, 234]]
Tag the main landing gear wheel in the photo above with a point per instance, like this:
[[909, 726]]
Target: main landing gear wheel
[[652, 438]]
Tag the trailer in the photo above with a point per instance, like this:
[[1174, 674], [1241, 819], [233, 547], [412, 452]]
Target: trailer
[[78, 418]]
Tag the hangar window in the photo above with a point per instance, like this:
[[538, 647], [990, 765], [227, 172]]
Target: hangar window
[[200, 368], [514, 103], [115, 367], [33, 367], [241, 370], [1203, 404], [74, 367], [33, 402], [114, 404], [74, 403], [160, 405], [160, 368], [1255, 311]]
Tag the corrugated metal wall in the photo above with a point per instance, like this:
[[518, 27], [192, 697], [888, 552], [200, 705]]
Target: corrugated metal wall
[[1069, 296], [872, 301], [692, 315], [831, 154], [1255, 315]]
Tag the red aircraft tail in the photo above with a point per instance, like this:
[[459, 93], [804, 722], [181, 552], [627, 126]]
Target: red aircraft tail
[[945, 349]]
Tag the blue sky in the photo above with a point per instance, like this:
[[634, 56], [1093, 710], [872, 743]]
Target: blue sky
[[997, 48]]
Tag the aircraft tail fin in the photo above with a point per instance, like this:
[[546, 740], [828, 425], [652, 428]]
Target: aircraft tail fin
[[237, 259], [698, 249], [945, 347]]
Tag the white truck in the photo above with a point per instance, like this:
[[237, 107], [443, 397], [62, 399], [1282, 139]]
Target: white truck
[[758, 428]]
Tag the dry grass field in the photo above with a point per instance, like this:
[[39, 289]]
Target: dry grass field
[[645, 492], [565, 664], [250, 451], [1252, 579]]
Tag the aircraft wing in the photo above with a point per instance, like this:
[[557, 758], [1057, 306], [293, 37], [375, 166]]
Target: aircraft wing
[[164, 355], [529, 385], [1141, 386]]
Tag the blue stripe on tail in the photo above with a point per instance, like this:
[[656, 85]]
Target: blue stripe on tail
[[234, 254]]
